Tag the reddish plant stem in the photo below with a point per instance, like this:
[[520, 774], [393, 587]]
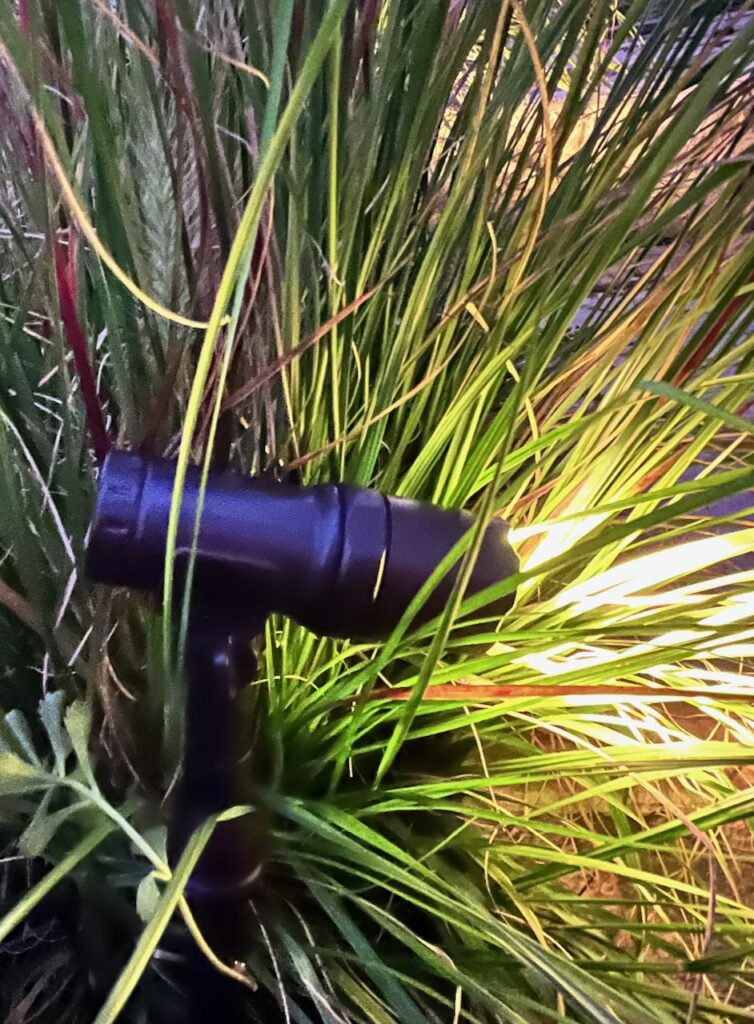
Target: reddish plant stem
[[23, 15], [76, 339], [710, 340]]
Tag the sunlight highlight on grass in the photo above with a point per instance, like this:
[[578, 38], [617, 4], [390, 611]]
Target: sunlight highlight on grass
[[628, 579], [626, 593]]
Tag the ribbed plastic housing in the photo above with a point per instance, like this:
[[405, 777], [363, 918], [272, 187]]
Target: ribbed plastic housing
[[341, 560]]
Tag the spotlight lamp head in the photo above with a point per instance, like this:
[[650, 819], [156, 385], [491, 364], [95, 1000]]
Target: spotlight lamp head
[[341, 560]]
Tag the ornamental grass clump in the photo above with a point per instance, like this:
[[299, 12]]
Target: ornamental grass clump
[[496, 256]]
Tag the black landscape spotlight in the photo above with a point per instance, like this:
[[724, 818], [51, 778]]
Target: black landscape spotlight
[[341, 560]]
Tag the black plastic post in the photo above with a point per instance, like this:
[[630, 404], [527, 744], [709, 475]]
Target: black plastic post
[[219, 663]]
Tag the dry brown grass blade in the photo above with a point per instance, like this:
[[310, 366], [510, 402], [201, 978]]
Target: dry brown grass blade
[[20, 607], [473, 693], [251, 387]]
